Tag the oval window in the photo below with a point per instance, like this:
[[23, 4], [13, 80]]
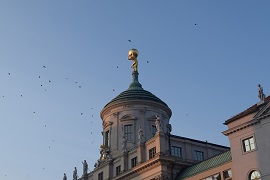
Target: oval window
[[255, 175]]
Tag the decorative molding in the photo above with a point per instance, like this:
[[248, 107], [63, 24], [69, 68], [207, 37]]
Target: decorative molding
[[127, 106], [128, 117], [106, 124], [240, 127], [115, 114], [154, 105]]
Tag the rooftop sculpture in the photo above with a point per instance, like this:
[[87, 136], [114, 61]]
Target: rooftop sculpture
[[132, 55]]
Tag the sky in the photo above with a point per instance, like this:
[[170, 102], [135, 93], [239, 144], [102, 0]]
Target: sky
[[58, 69]]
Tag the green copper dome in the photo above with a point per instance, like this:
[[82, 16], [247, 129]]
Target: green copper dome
[[135, 92]]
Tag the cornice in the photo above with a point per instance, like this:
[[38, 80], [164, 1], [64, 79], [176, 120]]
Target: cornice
[[135, 102], [240, 127], [245, 125]]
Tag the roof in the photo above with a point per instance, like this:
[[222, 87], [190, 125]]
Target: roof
[[135, 92], [198, 141], [248, 111], [210, 163]]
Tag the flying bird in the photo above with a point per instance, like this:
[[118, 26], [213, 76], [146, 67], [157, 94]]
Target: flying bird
[[81, 113], [147, 61], [49, 80], [44, 66], [80, 86], [8, 73], [129, 40], [195, 24]]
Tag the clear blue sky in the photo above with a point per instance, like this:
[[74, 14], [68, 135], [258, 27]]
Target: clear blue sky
[[205, 60]]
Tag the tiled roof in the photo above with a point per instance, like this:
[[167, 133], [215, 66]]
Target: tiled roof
[[248, 111], [206, 165], [135, 92]]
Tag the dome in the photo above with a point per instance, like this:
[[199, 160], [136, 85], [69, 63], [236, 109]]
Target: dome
[[135, 92]]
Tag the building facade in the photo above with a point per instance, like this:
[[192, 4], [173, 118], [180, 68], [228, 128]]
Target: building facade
[[138, 144]]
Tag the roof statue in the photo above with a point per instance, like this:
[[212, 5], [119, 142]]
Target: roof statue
[[85, 167], [65, 176], [132, 55], [261, 95], [75, 176]]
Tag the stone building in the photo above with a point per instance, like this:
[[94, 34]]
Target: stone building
[[138, 144]]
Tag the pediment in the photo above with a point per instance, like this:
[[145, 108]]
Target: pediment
[[128, 117], [264, 112]]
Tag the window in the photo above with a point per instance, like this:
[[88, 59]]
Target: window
[[217, 177], [198, 155], [100, 176], [118, 170], [133, 162], [213, 177], [227, 174], [128, 132], [255, 175], [176, 151], [249, 144], [152, 152], [154, 130], [107, 138]]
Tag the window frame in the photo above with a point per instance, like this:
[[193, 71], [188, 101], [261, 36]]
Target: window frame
[[226, 172], [152, 152], [196, 155], [133, 162], [129, 136], [107, 138], [252, 171], [243, 144], [100, 176], [173, 148], [118, 170]]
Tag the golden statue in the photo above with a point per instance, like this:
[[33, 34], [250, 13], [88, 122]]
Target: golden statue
[[132, 55]]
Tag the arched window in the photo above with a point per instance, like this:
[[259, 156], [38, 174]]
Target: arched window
[[255, 175]]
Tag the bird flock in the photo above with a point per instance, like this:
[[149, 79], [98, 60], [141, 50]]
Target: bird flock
[[45, 84], [36, 112]]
